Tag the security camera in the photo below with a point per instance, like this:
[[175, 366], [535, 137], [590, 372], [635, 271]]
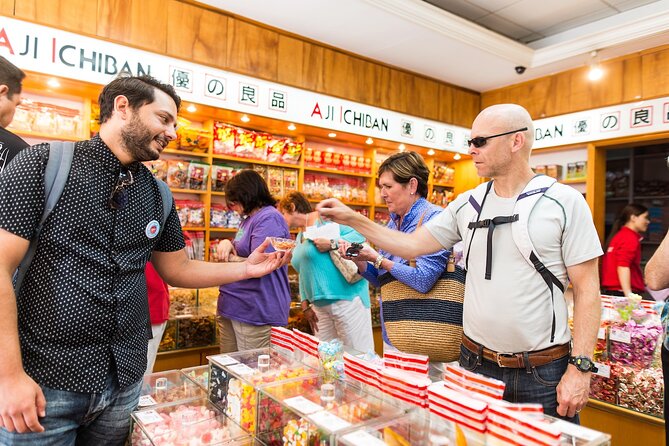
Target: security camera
[[520, 69]]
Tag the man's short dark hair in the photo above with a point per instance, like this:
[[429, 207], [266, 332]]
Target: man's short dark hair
[[139, 90], [11, 76]]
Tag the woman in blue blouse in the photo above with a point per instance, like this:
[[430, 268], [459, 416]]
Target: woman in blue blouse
[[403, 182], [333, 307]]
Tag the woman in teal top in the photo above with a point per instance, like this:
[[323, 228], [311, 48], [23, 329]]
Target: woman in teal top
[[334, 308]]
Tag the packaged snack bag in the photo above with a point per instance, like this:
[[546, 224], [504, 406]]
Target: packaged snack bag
[[224, 139], [177, 174], [198, 174]]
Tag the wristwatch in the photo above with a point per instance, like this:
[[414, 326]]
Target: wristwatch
[[333, 245], [583, 364]]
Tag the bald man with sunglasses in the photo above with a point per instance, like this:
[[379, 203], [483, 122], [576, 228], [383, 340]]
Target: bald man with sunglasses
[[515, 326]]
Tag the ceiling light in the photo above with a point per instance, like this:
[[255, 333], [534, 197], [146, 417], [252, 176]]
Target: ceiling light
[[245, 118], [332, 135], [430, 152], [595, 72], [53, 83], [402, 147], [191, 109], [291, 127], [457, 156], [369, 141], [329, 149]]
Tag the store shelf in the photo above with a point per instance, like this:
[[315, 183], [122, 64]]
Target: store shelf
[[188, 191], [227, 230], [382, 206], [218, 194], [337, 172], [573, 181], [49, 136], [347, 203], [612, 408], [186, 153], [651, 197], [451, 185], [234, 159], [194, 228]]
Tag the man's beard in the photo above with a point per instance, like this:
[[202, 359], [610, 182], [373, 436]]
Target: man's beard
[[137, 139]]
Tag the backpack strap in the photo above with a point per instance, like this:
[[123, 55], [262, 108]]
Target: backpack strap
[[166, 195], [477, 200], [525, 202], [56, 174]]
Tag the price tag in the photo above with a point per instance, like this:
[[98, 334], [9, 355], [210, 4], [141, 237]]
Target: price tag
[[362, 438], [620, 336], [147, 417], [601, 334], [223, 360], [303, 405], [329, 421], [603, 370], [241, 369], [146, 400], [576, 431]]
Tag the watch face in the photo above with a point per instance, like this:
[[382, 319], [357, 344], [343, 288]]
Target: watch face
[[583, 364]]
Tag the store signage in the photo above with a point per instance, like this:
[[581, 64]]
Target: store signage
[[603, 123], [50, 51]]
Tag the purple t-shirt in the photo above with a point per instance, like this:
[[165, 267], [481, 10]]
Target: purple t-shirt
[[263, 301]]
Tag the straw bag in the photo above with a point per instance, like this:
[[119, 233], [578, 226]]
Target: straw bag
[[426, 324]]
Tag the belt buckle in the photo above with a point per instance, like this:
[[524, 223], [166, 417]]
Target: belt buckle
[[499, 357]]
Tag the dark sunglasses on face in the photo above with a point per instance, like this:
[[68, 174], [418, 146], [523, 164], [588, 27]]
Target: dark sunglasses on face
[[481, 141], [118, 199]]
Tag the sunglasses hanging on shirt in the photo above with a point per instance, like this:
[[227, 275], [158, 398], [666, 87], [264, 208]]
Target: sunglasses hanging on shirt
[[481, 141], [118, 199]]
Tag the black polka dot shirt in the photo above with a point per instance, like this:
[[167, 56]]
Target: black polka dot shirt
[[83, 308]]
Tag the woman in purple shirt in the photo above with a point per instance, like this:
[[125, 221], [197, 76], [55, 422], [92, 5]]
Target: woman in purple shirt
[[247, 309]]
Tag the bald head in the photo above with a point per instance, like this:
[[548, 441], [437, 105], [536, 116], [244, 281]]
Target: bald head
[[507, 117]]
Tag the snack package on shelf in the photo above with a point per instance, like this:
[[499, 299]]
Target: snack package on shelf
[[42, 117], [168, 387], [221, 174], [195, 214], [218, 216], [194, 139], [245, 146], [177, 174], [198, 175], [224, 139], [310, 411], [235, 378], [158, 168], [275, 181], [188, 424], [381, 217], [292, 152], [198, 375], [290, 177], [275, 149], [194, 244]]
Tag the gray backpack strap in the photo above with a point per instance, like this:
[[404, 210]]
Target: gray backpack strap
[[55, 176], [166, 195]]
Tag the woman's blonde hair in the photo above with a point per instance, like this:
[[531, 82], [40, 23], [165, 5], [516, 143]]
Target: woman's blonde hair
[[295, 202]]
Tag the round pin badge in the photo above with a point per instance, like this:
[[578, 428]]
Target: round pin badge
[[152, 229]]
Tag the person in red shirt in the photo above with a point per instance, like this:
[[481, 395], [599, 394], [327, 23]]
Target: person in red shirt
[[159, 307], [621, 265]]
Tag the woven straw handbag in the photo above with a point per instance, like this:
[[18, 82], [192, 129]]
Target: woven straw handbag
[[426, 324]]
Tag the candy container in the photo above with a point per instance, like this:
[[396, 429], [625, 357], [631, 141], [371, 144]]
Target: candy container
[[167, 387], [632, 343], [604, 383], [192, 424], [330, 354], [196, 329], [198, 374], [641, 390], [413, 428], [236, 377], [311, 411]]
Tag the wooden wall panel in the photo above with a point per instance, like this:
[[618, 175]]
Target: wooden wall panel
[[78, 16], [141, 23], [626, 79], [7, 7], [290, 55], [446, 104], [654, 73], [196, 34], [466, 106], [252, 49], [425, 100]]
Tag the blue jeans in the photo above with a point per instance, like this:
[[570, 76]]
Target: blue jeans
[[536, 385], [73, 418]]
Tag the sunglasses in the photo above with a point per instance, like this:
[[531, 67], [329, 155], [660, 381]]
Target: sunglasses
[[118, 199], [481, 141]]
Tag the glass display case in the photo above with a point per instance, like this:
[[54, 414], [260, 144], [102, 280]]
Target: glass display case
[[310, 411], [198, 374], [236, 377], [168, 387], [189, 424]]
